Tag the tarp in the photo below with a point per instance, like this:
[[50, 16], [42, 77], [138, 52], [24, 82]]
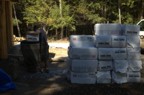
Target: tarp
[[6, 83]]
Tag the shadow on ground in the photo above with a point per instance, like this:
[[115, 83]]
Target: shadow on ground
[[54, 82]]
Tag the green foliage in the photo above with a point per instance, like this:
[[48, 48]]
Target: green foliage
[[78, 12], [16, 21]]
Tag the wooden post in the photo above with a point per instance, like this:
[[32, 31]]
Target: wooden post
[[9, 24], [3, 35]]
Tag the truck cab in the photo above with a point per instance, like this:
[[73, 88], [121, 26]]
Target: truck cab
[[141, 24]]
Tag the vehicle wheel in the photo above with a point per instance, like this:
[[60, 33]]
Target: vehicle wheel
[[141, 37]]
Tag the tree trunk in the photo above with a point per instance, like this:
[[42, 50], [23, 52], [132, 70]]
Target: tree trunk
[[142, 9], [61, 33], [60, 7], [119, 10], [56, 34], [19, 34]]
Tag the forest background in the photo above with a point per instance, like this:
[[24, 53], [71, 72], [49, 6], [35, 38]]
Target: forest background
[[61, 18]]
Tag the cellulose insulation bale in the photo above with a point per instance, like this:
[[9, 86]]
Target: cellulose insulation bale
[[84, 66], [83, 53], [133, 41], [133, 53], [105, 65], [83, 78], [118, 41], [82, 41], [135, 65], [119, 54], [108, 29], [105, 53], [120, 66], [132, 30], [103, 77], [103, 41], [133, 76], [119, 78]]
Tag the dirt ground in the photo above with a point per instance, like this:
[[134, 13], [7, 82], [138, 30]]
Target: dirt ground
[[54, 82]]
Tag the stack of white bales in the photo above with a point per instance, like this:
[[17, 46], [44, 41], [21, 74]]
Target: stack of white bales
[[111, 45], [82, 59], [118, 53], [112, 55], [133, 52]]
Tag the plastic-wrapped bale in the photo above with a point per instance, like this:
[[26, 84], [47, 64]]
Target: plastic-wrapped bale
[[103, 41], [132, 30], [84, 66], [105, 65], [119, 53], [133, 53], [82, 41], [83, 78], [103, 77], [133, 76], [108, 29], [119, 78], [135, 65], [120, 66], [83, 53], [105, 53], [133, 41], [118, 41]]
